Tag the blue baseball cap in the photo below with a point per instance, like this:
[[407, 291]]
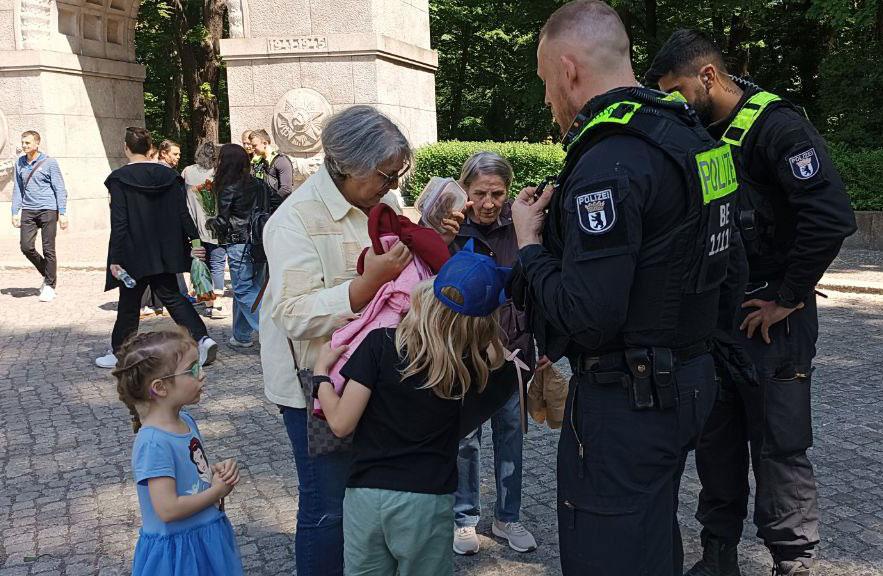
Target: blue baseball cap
[[477, 278]]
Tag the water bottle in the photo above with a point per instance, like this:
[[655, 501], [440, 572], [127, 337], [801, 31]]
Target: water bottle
[[124, 277]]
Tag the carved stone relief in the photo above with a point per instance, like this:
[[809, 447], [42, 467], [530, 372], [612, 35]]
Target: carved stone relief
[[35, 18], [236, 15], [297, 121]]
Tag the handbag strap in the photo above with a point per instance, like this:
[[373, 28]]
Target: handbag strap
[[31, 175], [293, 358]]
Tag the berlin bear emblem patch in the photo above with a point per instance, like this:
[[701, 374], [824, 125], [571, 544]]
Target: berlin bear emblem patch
[[597, 212], [804, 165]]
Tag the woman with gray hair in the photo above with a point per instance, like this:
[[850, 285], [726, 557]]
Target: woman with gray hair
[[202, 204], [486, 178], [313, 242]]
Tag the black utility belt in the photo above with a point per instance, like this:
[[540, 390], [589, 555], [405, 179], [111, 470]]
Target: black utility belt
[[646, 373]]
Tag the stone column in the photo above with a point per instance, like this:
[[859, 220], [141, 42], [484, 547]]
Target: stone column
[[301, 60], [68, 71]]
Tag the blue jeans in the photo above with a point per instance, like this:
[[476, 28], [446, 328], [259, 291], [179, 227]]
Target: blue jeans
[[217, 260], [318, 536], [507, 439], [246, 285]]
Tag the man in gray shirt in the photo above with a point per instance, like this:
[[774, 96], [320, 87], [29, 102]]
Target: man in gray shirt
[[39, 202]]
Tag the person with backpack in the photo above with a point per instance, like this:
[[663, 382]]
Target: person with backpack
[[237, 191], [275, 169]]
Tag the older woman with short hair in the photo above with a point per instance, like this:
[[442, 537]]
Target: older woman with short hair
[[312, 244], [486, 178]]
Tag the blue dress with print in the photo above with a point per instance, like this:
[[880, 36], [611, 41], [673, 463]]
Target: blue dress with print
[[200, 545]]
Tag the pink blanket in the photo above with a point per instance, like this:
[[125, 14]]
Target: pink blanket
[[386, 310]]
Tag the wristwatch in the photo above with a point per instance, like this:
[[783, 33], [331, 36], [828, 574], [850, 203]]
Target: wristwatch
[[317, 381]]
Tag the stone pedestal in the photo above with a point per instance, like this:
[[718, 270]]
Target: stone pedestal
[[329, 55], [68, 71]]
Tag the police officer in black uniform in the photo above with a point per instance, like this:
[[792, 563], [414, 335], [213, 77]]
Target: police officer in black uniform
[[622, 276], [794, 215]]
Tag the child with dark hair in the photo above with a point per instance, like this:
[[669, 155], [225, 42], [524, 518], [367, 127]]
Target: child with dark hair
[[184, 529]]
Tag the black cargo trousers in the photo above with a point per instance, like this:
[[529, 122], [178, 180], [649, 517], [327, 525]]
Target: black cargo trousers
[[774, 419], [619, 472]]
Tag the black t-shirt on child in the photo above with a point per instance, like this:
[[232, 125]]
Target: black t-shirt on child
[[408, 438]]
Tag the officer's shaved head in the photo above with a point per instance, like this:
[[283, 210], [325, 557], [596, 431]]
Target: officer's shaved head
[[593, 30], [583, 52]]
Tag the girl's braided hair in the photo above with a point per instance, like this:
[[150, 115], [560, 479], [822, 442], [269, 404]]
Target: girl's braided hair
[[143, 358]]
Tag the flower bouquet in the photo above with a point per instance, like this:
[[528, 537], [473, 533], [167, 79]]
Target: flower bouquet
[[201, 278], [207, 198]]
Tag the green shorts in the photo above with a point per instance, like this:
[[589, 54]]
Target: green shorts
[[389, 533]]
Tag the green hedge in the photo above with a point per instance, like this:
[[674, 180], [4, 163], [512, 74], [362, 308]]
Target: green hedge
[[862, 170], [531, 162]]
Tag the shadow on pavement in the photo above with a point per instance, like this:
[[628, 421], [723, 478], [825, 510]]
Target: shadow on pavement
[[20, 292]]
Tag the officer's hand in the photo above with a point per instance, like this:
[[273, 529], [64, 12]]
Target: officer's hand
[[528, 215], [768, 313], [452, 223], [543, 362], [16, 221], [62, 221]]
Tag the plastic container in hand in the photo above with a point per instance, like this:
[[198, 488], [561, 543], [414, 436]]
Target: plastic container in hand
[[439, 199], [124, 277]]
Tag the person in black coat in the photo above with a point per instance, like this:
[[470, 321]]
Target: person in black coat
[[150, 230], [237, 191]]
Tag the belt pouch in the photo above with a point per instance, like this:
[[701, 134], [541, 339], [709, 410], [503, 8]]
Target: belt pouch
[[662, 377], [641, 386]]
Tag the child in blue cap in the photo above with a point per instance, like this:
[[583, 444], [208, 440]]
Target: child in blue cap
[[406, 387]]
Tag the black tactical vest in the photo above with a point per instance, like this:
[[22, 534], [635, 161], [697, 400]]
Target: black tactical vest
[[687, 309], [757, 215]]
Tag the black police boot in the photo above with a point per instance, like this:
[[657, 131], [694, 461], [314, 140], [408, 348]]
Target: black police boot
[[791, 568], [718, 559]]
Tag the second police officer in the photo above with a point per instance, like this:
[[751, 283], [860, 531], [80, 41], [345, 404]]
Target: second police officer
[[794, 216], [620, 267]]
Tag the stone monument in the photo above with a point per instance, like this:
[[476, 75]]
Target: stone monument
[[68, 70], [329, 55]]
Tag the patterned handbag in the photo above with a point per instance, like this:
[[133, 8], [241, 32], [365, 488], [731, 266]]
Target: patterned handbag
[[320, 439]]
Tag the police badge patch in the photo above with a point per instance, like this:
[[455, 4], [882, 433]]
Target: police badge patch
[[597, 212], [804, 165]]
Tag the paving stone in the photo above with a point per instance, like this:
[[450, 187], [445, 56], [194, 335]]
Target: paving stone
[[65, 442]]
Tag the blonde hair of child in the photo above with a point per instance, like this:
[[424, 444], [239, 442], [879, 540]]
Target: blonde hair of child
[[143, 358], [435, 339]]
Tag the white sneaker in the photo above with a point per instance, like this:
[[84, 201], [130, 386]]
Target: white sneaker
[[218, 311], [466, 541], [108, 361], [208, 351], [516, 534], [237, 344], [47, 294]]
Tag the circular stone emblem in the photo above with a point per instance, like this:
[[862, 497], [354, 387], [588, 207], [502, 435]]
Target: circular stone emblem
[[297, 120]]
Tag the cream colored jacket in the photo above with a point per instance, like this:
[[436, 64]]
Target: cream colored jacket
[[312, 243]]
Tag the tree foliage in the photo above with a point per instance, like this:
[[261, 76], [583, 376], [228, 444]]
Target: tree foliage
[[825, 55], [185, 88]]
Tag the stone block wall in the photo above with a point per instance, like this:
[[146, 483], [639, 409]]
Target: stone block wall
[[81, 115]]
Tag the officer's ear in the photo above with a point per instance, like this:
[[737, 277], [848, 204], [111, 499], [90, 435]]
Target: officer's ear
[[708, 76]]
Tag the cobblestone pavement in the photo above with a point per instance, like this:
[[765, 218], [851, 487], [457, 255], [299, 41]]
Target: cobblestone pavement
[[66, 496]]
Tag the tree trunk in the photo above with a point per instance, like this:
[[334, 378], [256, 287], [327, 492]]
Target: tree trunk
[[203, 25], [651, 27], [457, 88], [737, 57], [878, 25], [172, 125]]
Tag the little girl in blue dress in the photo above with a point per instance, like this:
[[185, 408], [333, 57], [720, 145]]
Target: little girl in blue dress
[[184, 529]]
